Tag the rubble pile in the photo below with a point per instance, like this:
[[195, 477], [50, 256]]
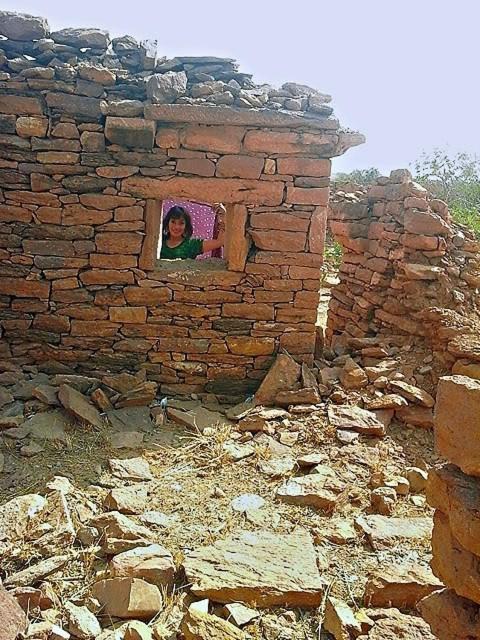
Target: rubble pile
[[124, 69], [250, 533], [407, 269], [453, 490]]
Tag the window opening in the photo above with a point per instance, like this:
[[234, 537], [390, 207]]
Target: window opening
[[205, 224]]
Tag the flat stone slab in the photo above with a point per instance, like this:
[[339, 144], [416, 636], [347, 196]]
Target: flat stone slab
[[77, 404], [259, 567], [383, 531], [319, 489], [136, 469], [131, 419], [49, 425], [199, 418], [355, 419], [401, 586]]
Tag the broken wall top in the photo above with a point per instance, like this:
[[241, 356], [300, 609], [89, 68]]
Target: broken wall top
[[125, 78]]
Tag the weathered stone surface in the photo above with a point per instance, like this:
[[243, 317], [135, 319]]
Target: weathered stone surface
[[17, 514], [136, 469], [14, 620], [77, 404], [36, 572], [456, 494], [22, 26], [340, 620], [82, 38], [81, 622], [198, 625], [228, 190], [355, 419], [128, 598], [414, 394], [416, 416], [456, 567], [319, 489], [257, 567], [119, 533], [74, 105], [48, 425], [393, 625], [131, 499], [458, 403], [238, 166], [283, 376], [96, 73], [154, 564], [401, 586], [130, 132], [451, 617], [166, 87], [197, 419], [383, 531]]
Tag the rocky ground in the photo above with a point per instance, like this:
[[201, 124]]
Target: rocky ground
[[125, 518]]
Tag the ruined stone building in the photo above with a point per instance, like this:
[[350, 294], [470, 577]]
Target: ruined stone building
[[95, 135]]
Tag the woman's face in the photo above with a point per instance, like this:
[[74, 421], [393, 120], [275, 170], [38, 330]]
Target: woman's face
[[176, 228]]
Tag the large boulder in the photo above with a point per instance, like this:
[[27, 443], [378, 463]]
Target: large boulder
[[22, 26], [82, 38], [165, 88]]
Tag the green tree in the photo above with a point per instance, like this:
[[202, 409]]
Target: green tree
[[359, 176], [453, 178]]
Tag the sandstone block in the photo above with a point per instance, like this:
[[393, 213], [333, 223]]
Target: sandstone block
[[14, 620], [28, 126], [401, 586], [283, 142], [199, 625], [456, 494], [196, 166], [246, 346], [319, 490], [249, 312], [106, 276], [119, 242], [279, 241], [456, 567], [232, 166], [297, 195], [130, 132], [154, 564], [457, 422], [24, 288], [227, 190], [128, 314], [450, 616], [20, 106], [257, 567], [77, 404], [147, 296], [128, 598], [74, 105], [217, 139], [283, 376], [304, 167]]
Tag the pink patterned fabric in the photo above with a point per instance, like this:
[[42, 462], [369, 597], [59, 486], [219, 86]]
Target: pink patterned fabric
[[203, 221]]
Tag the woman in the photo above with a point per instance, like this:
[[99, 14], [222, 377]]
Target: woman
[[177, 241]]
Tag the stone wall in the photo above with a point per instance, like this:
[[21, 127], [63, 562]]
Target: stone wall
[[406, 269], [94, 134], [454, 491]]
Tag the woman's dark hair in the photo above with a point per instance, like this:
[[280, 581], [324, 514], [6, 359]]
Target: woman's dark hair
[[177, 213]]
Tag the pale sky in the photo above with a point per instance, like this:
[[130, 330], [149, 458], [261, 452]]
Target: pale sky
[[403, 73]]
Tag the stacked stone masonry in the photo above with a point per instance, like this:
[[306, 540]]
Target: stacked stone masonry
[[453, 490], [406, 269], [94, 135]]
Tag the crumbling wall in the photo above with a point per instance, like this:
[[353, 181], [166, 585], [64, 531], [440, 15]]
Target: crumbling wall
[[453, 490], [407, 269], [93, 136]]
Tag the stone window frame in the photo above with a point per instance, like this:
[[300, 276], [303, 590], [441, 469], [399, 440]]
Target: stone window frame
[[237, 241]]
